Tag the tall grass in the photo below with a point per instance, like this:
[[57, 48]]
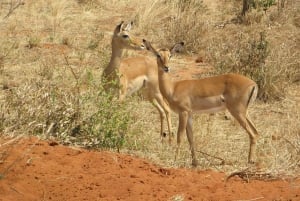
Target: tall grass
[[169, 22], [189, 16]]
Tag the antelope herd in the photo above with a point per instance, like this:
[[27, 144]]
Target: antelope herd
[[232, 92]]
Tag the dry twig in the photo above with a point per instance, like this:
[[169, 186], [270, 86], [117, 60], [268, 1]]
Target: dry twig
[[215, 157], [259, 198], [13, 7], [12, 140]]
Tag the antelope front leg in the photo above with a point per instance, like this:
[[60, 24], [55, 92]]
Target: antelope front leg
[[163, 109], [183, 117], [162, 117], [168, 116]]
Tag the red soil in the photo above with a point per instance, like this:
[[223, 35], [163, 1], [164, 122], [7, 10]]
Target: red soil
[[32, 169]]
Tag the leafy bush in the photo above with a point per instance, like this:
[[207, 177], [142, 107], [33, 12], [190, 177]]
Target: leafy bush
[[41, 106], [109, 122], [258, 10], [265, 4]]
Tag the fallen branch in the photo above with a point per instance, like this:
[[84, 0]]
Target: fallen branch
[[247, 174], [259, 198], [12, 140], [215, 157]]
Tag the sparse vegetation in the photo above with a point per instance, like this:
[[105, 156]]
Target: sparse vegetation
[[53, 87]]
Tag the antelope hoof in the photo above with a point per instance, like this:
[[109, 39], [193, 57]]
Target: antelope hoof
[[251, 162], [164, 134], [227, 117], [195, 163]]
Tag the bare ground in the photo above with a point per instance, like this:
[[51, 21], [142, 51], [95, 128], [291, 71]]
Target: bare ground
[[33, 169]]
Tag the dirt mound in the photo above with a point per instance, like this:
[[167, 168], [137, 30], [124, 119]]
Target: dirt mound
[[32, 169]]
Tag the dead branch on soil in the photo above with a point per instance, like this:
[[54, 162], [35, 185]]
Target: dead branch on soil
[[4, 153], [259, 198], [12, 140], [14, 189], [248, 174], [211, 156], [215, 157]]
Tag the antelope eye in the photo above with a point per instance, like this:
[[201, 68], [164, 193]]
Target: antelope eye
[[125, 36]]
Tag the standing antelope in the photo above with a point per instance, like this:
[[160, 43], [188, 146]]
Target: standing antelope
[[135, 73], [209, 95]]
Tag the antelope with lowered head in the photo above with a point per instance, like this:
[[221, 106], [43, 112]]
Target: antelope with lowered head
[[233, 92]]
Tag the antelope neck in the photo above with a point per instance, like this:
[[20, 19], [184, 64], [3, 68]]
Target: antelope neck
[[166, 85], [115, 60]]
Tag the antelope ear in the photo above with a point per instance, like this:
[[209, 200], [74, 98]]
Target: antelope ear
[[119, 27], [128, 26], [177, 48], [150, 48], [147, 44]]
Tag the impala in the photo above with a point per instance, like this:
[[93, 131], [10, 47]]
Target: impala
[[135, 73], [209, 95]]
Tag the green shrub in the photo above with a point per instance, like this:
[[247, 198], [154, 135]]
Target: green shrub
[[56, 108], [265, 4], [33, 42], [109, 123]]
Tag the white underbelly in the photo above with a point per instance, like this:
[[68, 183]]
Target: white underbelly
[[211, 104], [211, 110], [136, 84]]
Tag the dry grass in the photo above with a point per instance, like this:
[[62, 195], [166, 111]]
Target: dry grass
[[57, 49]]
